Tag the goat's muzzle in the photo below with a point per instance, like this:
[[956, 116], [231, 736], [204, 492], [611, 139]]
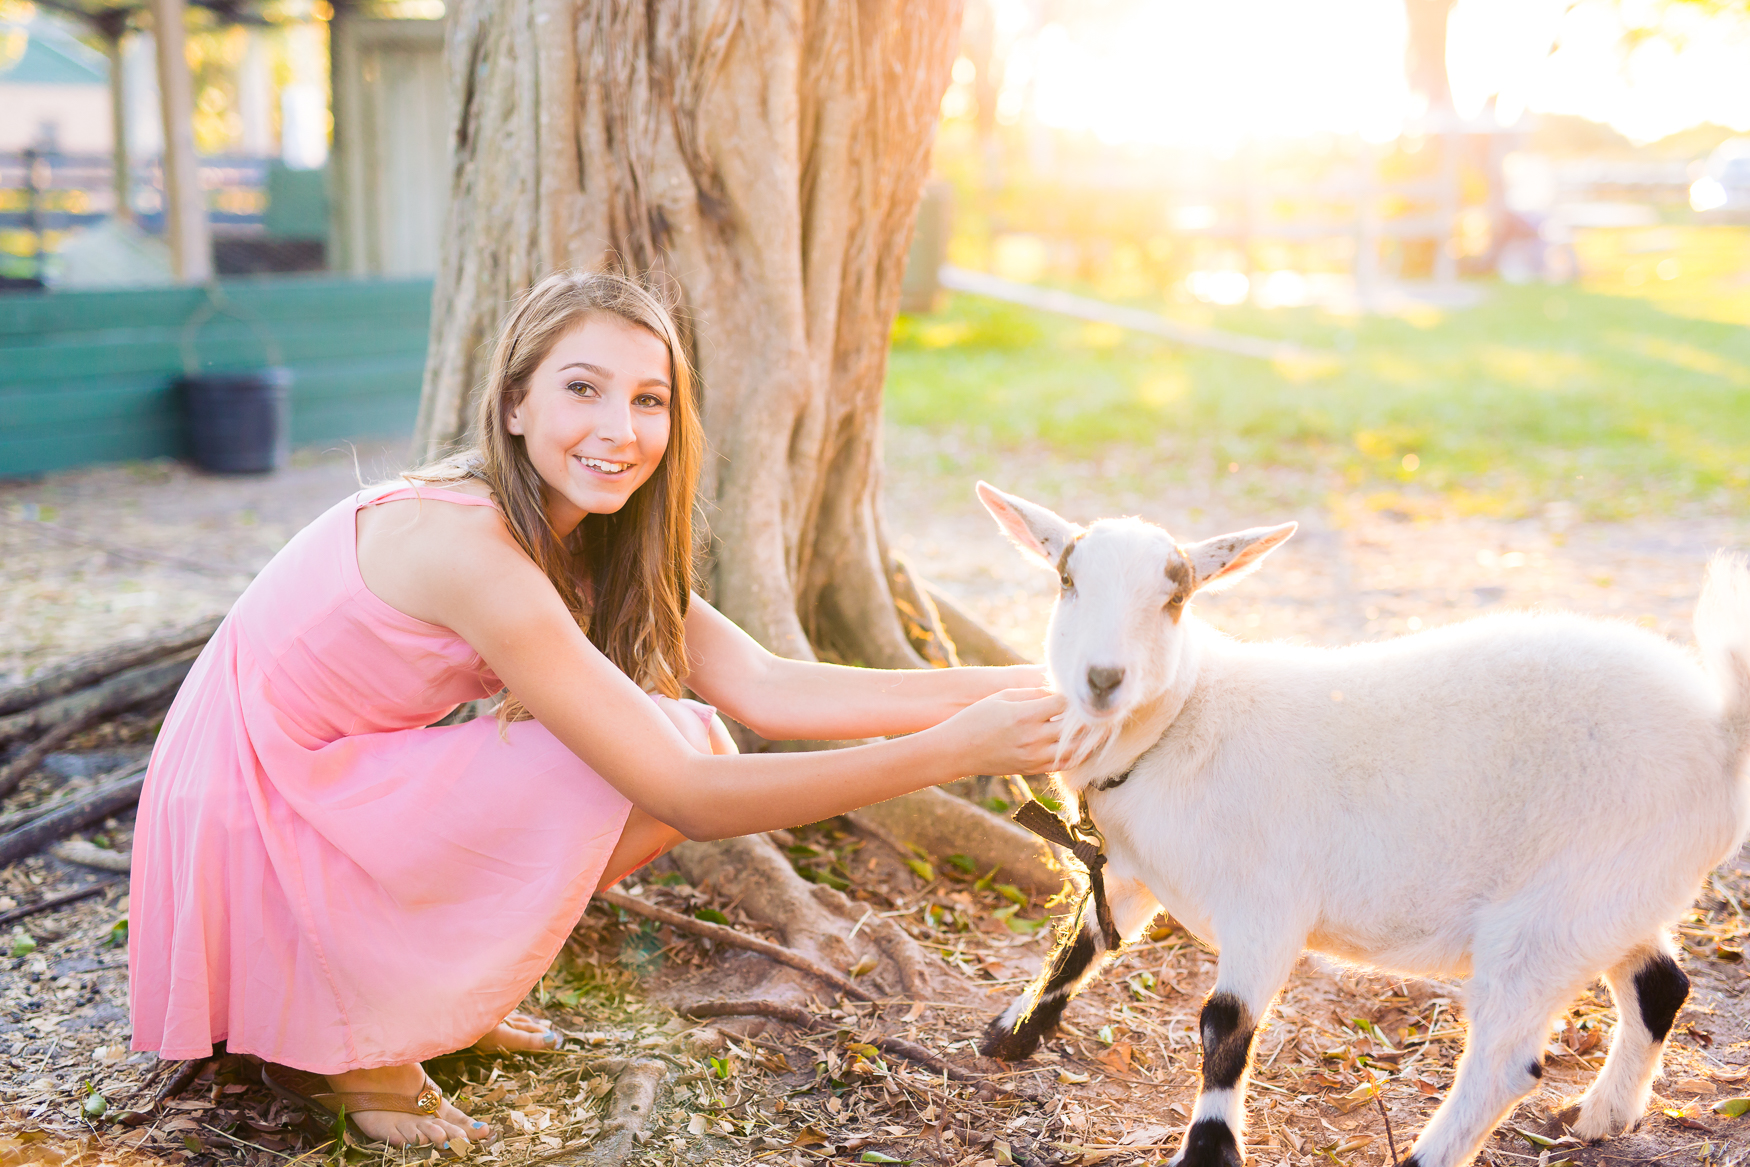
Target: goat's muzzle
[[1103, 681]]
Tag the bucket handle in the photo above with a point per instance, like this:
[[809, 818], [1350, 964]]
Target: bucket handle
[[214, 302]]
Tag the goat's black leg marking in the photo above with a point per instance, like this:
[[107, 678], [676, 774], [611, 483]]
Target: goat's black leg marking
[[1226, 1026], [1661, 988], [1210, 1141], [1033, 1016], [1649, 989], [1079, 955]]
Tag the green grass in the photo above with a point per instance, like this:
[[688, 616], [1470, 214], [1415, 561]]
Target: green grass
[[1624, 394]]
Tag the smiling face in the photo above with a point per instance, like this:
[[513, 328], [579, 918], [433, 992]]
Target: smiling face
[[595, 417]]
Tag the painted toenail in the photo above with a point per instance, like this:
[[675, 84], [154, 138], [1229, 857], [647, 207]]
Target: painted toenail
[[479, 1126]]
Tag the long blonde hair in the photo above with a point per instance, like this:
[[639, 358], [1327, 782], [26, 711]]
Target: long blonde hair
[[625, 577]]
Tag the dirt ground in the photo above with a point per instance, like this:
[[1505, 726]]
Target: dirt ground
[[91, 557]]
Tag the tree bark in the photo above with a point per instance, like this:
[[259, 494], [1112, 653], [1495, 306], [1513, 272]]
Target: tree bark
[[769, 160]]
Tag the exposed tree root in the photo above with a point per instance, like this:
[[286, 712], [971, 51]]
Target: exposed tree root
[[736, 939], [973, 642], [629, 1109], [942, 824], [896, 1047], [813, 920], [776, 1010], [923, 625]]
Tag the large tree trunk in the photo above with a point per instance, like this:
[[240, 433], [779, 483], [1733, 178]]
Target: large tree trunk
[[769, 160]]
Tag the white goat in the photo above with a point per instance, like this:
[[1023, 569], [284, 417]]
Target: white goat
[[1526, 801]]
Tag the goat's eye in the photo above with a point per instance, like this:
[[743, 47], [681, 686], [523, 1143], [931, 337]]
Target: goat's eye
[[1068, 583], [1178, 600]]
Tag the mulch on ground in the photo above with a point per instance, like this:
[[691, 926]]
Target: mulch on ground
[[1346, 1053]]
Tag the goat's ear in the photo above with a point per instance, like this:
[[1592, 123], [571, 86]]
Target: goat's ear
[[1224, 560], [1033, 529]]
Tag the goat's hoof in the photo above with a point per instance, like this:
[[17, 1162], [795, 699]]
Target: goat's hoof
[[1595, 1127], [1209, 1143], [1007, 1045]]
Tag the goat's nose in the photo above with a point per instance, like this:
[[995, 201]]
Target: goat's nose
[[1102, 680]]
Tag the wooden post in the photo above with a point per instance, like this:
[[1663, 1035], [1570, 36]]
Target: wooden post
[[185, 203], [120, 180], [346, 161]]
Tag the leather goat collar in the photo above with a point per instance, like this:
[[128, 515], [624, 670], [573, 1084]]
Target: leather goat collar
[[1083, 840]]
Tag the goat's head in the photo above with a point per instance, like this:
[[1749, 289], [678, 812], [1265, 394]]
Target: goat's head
[[1116, 633]]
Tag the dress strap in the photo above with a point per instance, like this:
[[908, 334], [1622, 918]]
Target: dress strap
[[420, 490]]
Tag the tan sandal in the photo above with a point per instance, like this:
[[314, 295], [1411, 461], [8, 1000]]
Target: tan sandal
[[311, 1092]]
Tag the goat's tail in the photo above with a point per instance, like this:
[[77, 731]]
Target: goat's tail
[[1722, 628]]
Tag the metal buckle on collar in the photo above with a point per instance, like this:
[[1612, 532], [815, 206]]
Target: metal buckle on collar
[[1083, 840]]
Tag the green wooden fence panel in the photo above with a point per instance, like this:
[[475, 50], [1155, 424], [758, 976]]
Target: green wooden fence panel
[[90, 377]]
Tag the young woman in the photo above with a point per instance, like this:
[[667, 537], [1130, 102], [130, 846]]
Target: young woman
[[322, 881]]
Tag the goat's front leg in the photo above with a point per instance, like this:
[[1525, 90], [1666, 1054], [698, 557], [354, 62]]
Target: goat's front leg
[[1248, 978], [1080, 953]]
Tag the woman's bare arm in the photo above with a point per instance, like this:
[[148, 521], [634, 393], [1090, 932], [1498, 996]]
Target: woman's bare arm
[[781, 699], [464, 572]]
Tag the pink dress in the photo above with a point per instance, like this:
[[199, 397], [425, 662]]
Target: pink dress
[[319, 880]]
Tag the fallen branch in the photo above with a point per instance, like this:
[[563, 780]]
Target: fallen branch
[[942, 824], [101, 803], [736, 939], [91, 855], [104, 662], [21, 767], [112, 696], [56, 901]]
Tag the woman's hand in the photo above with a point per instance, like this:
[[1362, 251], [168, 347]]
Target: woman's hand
[[698, 723], [1012, 732]]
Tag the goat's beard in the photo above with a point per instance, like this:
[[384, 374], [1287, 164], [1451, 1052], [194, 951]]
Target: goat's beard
[[1083, 738]]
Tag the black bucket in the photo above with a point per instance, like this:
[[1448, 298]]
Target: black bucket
[[239, 422]]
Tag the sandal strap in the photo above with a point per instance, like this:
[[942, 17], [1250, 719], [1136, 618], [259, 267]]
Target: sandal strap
[[426, 1101], [313, 1089]]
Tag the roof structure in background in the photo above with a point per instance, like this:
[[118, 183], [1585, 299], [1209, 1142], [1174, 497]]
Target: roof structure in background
[[53, 56]]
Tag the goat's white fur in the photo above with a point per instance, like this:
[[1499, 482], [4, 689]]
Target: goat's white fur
[[1524, 800]]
